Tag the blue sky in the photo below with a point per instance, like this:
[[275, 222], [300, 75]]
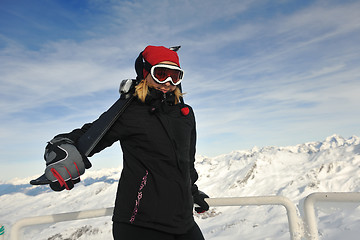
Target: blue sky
[[257, 73]]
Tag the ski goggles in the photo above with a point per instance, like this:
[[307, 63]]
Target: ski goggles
[[163, 73]]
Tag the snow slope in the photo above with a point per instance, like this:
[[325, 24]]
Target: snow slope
[[332, 165]]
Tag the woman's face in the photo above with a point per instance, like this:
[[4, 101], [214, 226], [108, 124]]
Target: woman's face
[[164, 87]]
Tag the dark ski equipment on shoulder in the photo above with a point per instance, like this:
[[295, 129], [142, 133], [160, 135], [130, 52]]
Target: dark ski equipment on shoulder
[[94, 134]]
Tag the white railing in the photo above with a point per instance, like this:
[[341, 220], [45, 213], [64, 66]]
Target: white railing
[[299, 228], [295, 223], [15, 233], [309, 207]]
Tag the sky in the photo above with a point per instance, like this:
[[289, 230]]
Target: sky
[[257, 73]]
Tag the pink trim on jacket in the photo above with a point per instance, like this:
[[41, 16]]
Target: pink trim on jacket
[[139, 197]]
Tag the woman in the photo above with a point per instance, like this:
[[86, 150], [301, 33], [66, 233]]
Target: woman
[[157, 190]]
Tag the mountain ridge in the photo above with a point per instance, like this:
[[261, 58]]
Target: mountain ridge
[[331, 165]]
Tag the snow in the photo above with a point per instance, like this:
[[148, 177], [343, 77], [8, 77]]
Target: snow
[[332, 165]]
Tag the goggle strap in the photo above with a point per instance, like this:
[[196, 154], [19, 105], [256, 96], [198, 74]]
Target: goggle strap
[[139, 65], [147, 66]]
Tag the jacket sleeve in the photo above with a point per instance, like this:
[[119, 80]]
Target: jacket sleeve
[[193, 173]]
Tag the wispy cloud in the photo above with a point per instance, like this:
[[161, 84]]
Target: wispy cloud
[[256, 73]]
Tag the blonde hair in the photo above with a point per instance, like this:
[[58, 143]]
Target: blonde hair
[[142, 90]]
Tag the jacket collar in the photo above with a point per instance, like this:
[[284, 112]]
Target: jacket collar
[[157, 96]]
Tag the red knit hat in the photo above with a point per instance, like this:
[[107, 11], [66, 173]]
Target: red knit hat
[[157, 54]]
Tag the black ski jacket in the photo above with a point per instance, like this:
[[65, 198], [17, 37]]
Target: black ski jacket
[[157, 181]]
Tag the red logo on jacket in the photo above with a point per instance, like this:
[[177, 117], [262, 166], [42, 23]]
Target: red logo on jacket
[[185, 111]]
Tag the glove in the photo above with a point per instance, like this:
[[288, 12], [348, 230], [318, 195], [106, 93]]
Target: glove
[[199, 200], [64, 163]]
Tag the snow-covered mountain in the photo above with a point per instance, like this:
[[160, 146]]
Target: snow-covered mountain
[[332, 165]]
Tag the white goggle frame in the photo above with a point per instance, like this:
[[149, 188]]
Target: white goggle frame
[[168, 79]]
